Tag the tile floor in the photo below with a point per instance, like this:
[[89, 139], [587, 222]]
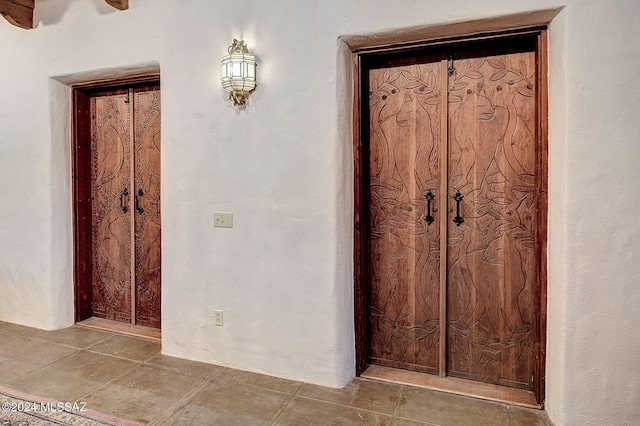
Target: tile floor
[[128, 377]]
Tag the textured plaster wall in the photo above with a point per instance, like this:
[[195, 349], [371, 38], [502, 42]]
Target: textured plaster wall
[[594, 245], [283, 274]]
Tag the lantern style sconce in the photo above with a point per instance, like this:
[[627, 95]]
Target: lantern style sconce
[[238, 73]]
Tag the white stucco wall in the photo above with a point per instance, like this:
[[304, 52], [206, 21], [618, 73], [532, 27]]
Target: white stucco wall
[[283, 275]]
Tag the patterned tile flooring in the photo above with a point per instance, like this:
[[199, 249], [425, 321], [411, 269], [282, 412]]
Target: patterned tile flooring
[[129, 378]]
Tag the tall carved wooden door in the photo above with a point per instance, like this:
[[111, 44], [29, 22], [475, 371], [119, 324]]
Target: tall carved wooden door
[[123, 181], [454, 192], [491, 268], [404, 249]]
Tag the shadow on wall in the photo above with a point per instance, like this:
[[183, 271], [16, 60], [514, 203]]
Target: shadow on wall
[[51, 12]]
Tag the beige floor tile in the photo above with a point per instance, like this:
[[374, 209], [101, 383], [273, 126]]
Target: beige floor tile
[[310, 412], [71, 378], [20, 356], [20, 330], [406, 422], [133, 348], [11, 368], [75, 336], [185, 366], [360, 393], [267, 382], [230, 404], [525, 417], [445, 409], [144, 395], [128, 377]]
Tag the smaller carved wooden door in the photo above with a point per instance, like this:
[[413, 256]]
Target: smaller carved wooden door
[[124, 188]]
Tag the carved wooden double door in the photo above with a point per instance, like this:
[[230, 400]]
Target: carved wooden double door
[[452, 188], [123, 180]]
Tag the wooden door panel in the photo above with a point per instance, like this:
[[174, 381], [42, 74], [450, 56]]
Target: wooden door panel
[[491, 281], [83, 216], [111, 225], [147, 217], [404, 163]]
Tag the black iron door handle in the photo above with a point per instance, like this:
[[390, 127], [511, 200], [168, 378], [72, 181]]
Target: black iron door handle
[[429, 195], [138, 195], [458, 219], [122, 195]]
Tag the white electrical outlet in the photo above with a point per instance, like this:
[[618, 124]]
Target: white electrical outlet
[[218, 317], [222, 220]]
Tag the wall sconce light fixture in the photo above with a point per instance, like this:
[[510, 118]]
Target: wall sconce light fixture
[[238, 72]]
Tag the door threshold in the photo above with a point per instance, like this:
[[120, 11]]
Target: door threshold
[[122, 328], [487, 391]]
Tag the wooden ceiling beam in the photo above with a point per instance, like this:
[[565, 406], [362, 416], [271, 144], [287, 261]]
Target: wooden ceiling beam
[[18, 12], [119, 4]]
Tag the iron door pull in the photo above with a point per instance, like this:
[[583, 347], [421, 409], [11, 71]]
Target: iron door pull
[[138, 195], [429, 219], [458, 219], [122, 195]]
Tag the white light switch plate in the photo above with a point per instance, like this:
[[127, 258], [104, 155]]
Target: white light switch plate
[[222, 220]]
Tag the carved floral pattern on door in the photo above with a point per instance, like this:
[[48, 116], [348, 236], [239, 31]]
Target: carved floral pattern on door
[[125, 187], [491, 261], [111, 225], [491, 264], [147, 224], [405, 251]]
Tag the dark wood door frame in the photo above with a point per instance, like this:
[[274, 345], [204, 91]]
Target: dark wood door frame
[[393, 54], [81, 184]]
